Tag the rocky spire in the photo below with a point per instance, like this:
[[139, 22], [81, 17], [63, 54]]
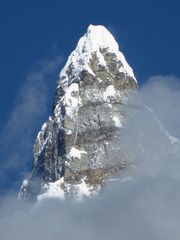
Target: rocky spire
[[78, 147]]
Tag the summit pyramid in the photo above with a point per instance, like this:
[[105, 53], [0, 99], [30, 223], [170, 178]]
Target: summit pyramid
[[77, 149]]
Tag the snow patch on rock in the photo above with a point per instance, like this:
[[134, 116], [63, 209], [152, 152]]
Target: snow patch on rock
[[83, 190], [53, 190], [109, 93], [75, 153], [72, 99], [117, 121]]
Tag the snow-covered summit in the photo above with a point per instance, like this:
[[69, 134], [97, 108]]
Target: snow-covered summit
[[99, 37], [96, 39]]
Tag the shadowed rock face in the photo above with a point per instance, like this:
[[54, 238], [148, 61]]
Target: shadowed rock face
[[80, 140]]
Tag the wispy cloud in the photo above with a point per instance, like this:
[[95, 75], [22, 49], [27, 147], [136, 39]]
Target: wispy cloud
[[162, 93], [146, 207], [30, 108]]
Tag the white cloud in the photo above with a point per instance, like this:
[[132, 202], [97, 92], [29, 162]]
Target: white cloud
[[162, 93], [147, 207], [30, 108]]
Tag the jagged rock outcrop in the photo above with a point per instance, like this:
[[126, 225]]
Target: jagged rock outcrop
[[78, 147]]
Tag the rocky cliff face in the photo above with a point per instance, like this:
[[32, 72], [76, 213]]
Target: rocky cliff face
[[78, 147]]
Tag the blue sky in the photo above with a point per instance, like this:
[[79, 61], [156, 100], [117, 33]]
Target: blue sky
[[148, 33], [34, 33]]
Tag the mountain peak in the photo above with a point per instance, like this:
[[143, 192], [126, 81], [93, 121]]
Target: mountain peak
[[78, 147], [99, 37], [96, 39]]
